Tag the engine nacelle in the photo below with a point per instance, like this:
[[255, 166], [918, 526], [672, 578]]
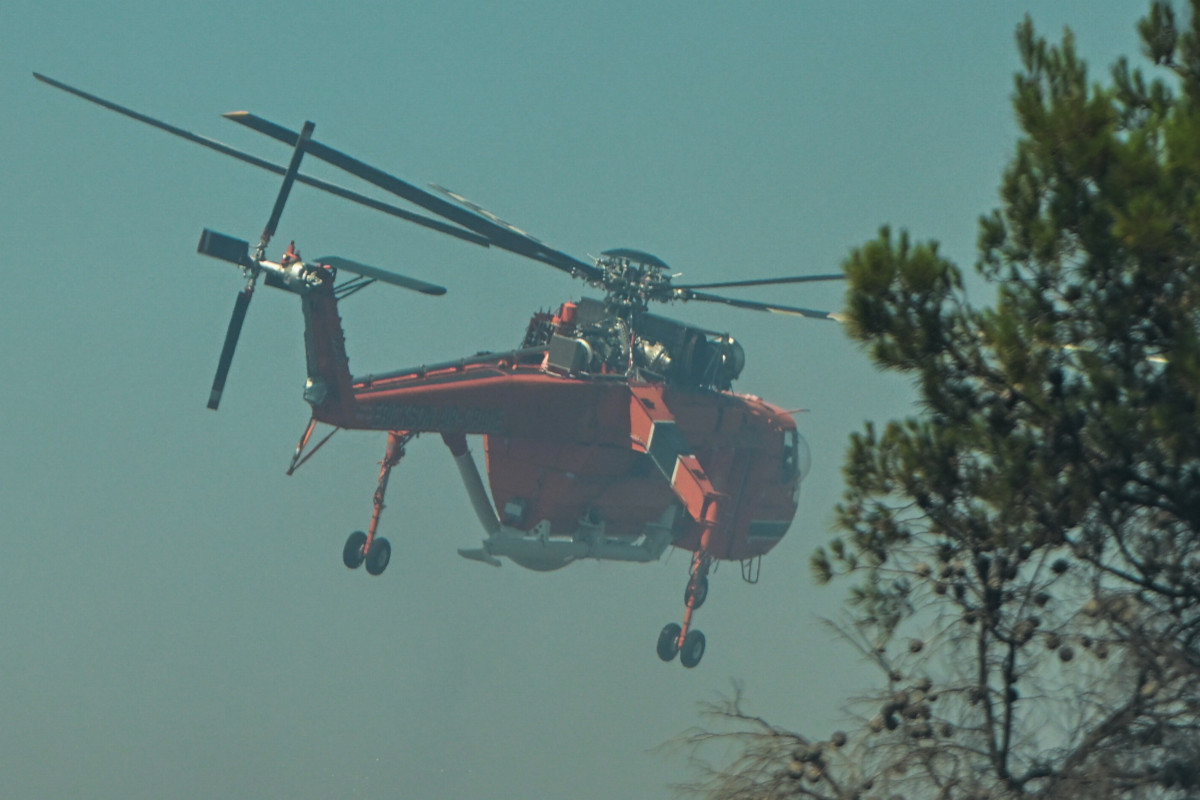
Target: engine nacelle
[[686, 355]]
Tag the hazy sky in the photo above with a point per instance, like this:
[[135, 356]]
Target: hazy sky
[[174, 614]]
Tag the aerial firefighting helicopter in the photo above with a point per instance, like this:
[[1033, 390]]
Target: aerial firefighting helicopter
[[610, 433]]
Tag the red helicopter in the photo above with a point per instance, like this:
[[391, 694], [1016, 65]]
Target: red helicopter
[[610, 433]]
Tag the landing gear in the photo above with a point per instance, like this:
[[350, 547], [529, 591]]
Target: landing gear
[[668, 641], [378, 556], [682, 639], [366, 547], [692, 650], [353, 553], [696, 592]]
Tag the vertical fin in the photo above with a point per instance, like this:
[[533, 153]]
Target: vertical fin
[[330, 385]]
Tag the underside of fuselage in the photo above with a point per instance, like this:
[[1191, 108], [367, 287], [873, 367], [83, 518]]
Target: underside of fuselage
[[570, 489]]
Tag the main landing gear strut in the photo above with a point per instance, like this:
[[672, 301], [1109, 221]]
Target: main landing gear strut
[[683, 639], [374, 550]]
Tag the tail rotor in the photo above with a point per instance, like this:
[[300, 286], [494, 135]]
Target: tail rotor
[[227, 248]]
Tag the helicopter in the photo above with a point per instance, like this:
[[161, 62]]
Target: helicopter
[[610, 433]]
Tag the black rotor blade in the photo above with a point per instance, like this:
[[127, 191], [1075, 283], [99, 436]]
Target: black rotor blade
[[502, 236], [289, 177], [375, 273], [231, 340], [226, 248], [240, 155], [761, 282], [483, 212], [757, 306]]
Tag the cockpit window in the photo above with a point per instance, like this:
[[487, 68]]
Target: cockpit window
[[796, 456], [789, 455]]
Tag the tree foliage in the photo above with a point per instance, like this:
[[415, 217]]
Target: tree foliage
[[1027, 548]]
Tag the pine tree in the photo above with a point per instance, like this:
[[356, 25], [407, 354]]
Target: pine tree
[[1026, 549]]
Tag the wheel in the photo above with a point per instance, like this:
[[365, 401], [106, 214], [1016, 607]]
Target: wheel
[[692, 650], [380, 555], [352, 553], [668, 641], [696, 593]]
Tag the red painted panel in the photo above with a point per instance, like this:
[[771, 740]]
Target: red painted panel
[[567, 447]]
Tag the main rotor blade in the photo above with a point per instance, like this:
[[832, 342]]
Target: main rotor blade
[[761, 282], [757, 306], [375, 273], [483, 212], [231, 340], [316, 183], [504, 237]]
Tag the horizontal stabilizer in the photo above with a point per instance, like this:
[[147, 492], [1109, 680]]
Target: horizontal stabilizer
[[226, 248], [345, 264]]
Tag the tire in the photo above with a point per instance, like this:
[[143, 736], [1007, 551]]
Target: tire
[[696, 593], [668, 641], [380, 555], [352, 553], [692, 650]]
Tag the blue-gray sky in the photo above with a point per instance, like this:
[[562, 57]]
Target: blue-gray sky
[[176, 621]]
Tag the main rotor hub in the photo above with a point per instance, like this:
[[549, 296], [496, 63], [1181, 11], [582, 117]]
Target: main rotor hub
[[632, 278]]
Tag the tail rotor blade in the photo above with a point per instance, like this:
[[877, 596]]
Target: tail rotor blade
[[231, 340], [289, 178], [226, 248]]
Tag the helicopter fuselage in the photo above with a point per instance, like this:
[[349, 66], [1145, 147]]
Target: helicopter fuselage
[[570, 457]]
